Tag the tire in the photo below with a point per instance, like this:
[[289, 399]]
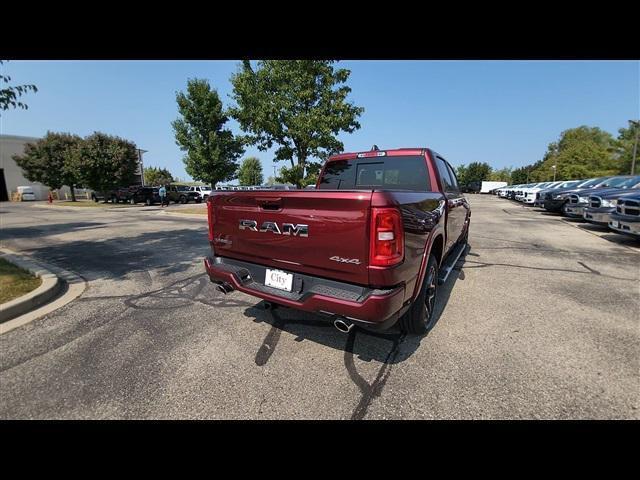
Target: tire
[[148, 202], [420, 318], [183, 200], [114, 199], [132, 201], [198, 200]]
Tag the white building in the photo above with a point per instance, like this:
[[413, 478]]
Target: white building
[[12, 176]]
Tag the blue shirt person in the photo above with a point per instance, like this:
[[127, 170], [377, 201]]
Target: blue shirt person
[[163, 193]]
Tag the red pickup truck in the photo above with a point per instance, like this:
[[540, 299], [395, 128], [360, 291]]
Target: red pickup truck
[[368, 247]]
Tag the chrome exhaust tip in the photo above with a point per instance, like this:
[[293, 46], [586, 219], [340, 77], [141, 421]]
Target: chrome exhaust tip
[[224, 288], [343, 326], [270, 306]]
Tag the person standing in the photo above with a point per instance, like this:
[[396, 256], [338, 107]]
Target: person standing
[[162, 191]]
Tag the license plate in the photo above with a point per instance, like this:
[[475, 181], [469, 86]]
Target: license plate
[[278, 279]]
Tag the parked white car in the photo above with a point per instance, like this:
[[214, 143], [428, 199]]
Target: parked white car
[[203, 191], [26, 193], [530, 194]]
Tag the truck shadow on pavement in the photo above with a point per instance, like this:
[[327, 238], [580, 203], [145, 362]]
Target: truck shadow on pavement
[[388, 348]]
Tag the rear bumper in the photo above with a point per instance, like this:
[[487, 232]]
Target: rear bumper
[[375, 309]]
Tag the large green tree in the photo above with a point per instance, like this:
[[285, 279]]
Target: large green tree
[[103, 162], [580, 152], [10, 94], [625, 145], [250, 172], [211, 150], [49, 161], [501, 175], [474, 172], [298, 106], [157, 176]]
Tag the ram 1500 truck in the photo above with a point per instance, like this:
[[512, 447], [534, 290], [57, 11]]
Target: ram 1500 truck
[[367, 247]]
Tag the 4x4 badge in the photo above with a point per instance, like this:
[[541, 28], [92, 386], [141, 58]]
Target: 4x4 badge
[[335, 258]]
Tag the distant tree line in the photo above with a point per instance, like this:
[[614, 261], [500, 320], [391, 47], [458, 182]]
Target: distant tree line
[[581, 152]]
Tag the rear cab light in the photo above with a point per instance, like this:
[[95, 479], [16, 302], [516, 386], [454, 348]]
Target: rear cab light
[[386, 247]]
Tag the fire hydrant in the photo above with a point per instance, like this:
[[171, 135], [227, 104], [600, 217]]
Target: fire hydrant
[[50, 197]]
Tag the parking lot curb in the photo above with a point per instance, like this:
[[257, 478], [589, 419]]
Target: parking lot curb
[[38, 302]]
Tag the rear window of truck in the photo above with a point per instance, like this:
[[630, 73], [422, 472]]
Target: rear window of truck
[[379, 173]]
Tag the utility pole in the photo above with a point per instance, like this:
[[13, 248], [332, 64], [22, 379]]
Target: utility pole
[[635, 146]]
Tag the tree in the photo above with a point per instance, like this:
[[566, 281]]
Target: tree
[[104, 162], [211, 151], [579, 153], [299, 106], [624, 146], [501, 175], [475, 172], [270, 181], [48, 161], [9, 95], [250, 172], [157, 176], [461, 174]]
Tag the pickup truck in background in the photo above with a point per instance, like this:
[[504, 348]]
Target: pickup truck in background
[[626, 218], [369, 246]]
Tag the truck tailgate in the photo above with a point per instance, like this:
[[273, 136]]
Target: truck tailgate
[[337, 243]]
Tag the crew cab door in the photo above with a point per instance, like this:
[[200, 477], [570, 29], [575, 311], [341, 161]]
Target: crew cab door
[[456, 203]]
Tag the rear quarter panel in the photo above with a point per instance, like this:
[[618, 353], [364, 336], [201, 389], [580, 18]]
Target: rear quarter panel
[[423, 219]]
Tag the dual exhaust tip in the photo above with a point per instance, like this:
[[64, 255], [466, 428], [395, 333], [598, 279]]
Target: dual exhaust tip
[[224, 288]]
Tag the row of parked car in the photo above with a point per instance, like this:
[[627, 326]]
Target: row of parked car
[[176, 193], [150, 195], [612, 202]]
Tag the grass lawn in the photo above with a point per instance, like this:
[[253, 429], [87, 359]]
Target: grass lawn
[[15, 282], [191, 211], [89, 203]]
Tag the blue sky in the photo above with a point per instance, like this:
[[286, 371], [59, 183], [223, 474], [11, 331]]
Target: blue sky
[[501, 112]]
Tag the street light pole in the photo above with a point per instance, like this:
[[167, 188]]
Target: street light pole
[[554, 172], [635, 146]]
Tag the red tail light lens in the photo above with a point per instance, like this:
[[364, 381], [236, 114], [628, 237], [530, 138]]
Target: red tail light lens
[[210, 218], [387, 237]]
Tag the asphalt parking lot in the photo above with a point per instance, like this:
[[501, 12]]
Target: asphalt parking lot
[[540, 321]]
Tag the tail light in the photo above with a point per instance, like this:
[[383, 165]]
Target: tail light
[[210, 218], [387, 237]]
